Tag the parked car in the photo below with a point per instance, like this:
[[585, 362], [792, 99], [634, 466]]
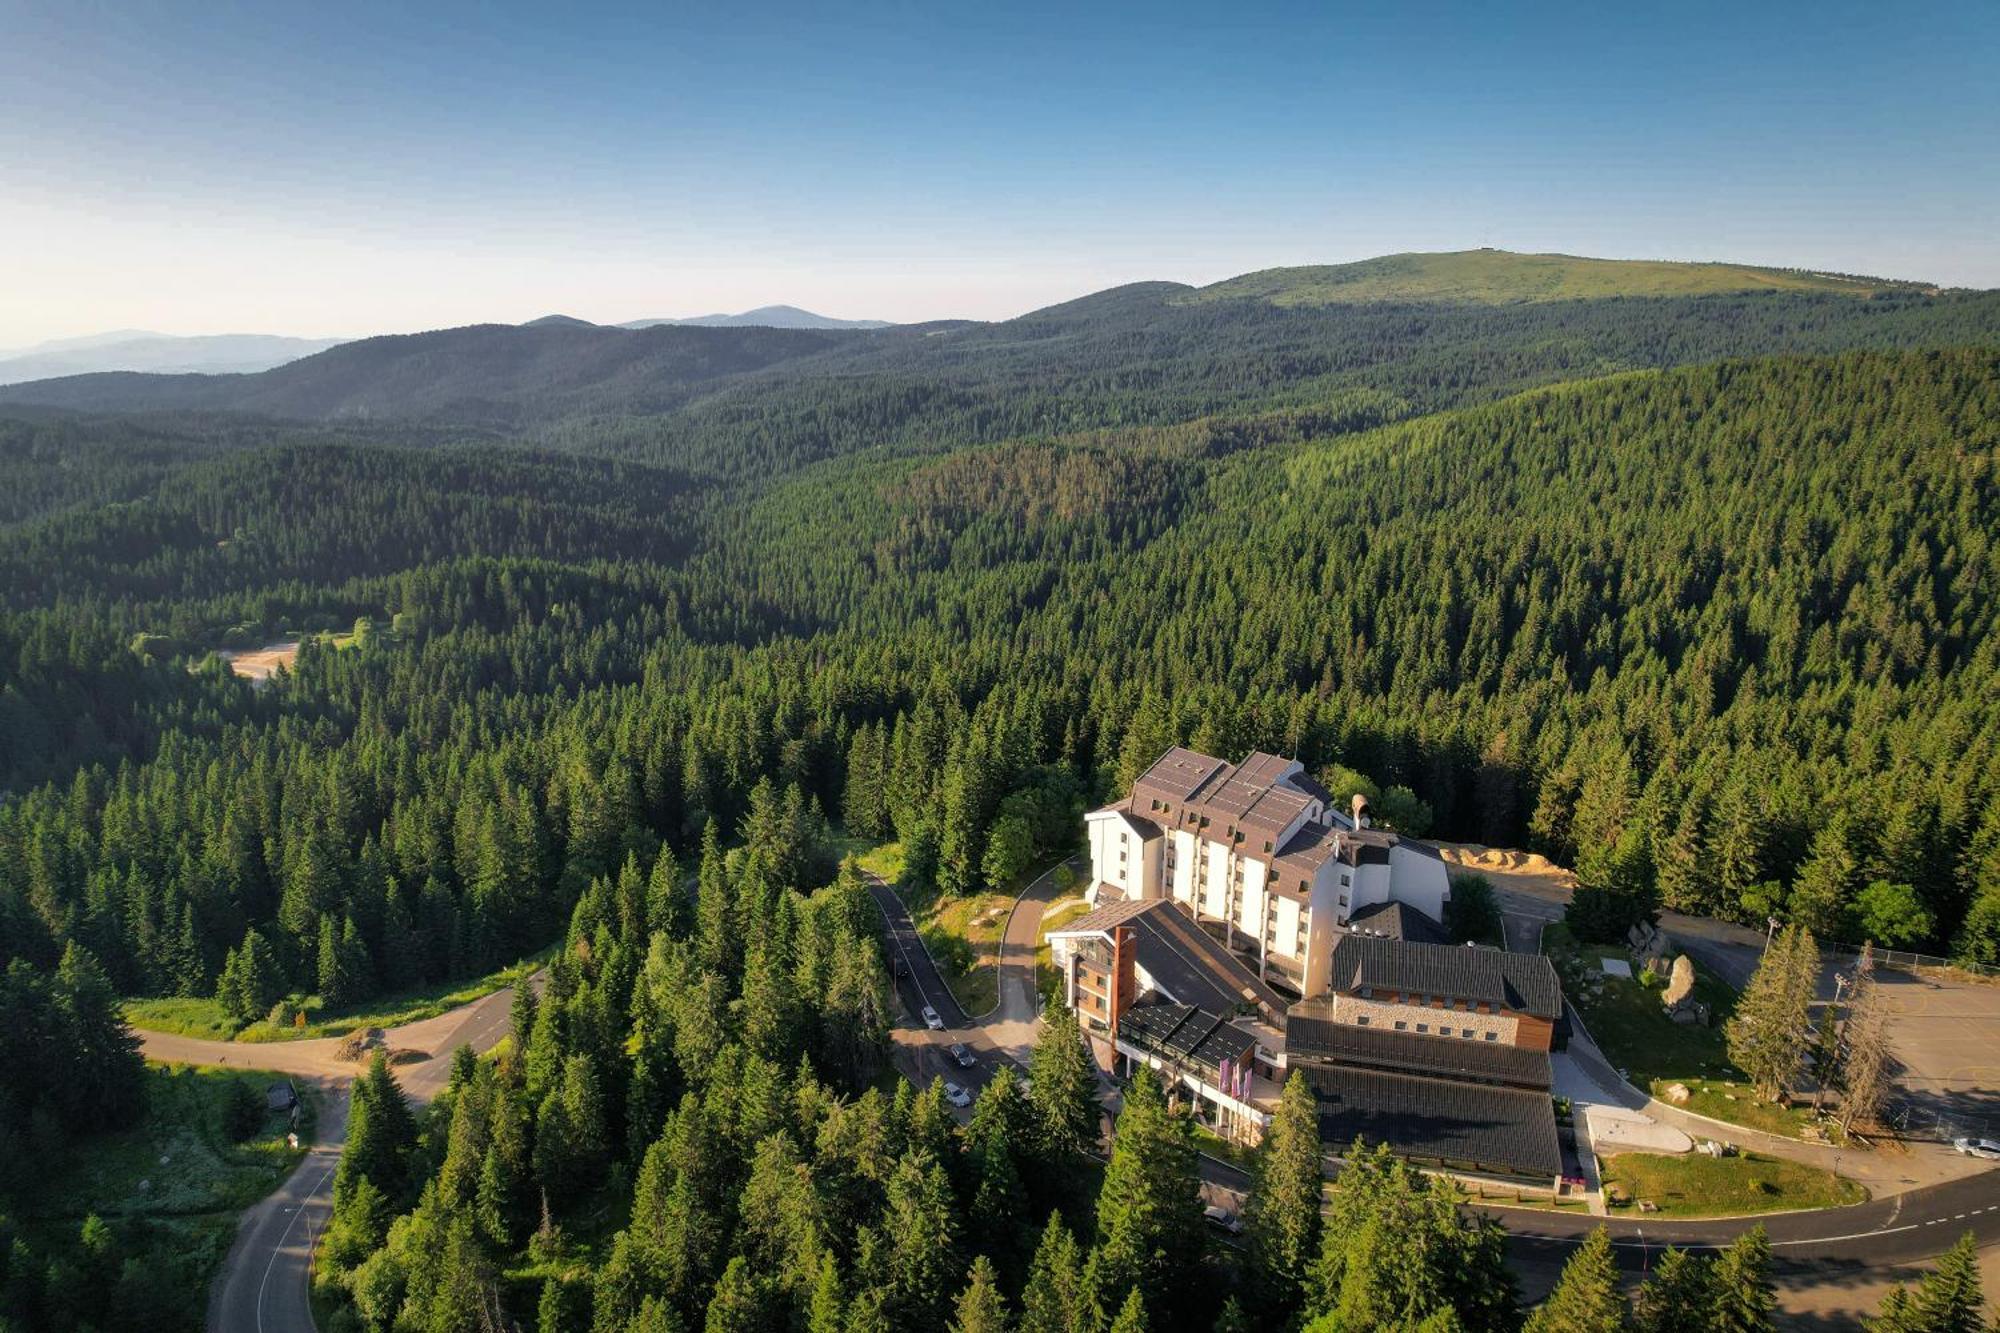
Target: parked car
[[957, 1096], [962, 1055], [1986, 1149], [931, 1019], [1223, 1220]]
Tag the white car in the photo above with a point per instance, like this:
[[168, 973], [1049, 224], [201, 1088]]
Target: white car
[[957, 1096], [1223, 1220], [931, 1019], [1986, 1149]]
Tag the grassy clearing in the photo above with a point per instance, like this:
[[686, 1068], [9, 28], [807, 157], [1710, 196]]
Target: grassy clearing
[[963, 935], [173, 1185], [882, 859], [1695, 1185], [206, 1018], [1631, 1027]]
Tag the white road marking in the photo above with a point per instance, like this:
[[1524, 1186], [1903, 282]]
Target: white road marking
[[278, 1249]]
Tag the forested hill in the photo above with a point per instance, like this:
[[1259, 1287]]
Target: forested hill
[[753, 401], [483, 375], [1499, 276], [1727, 631]]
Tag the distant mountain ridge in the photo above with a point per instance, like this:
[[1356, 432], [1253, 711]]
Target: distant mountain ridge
[[767, 316], [157, 354], [1407, 333], [1501, 277]]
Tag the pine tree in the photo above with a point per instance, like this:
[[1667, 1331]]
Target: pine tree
[[1131, 1315], [981, 1307], [1949, 1298], [919, 1238], [1586, 1298], [1766, 1034], [741, 1303], [1676, 1293], [1054, 1300], [666, 900], [1284, 1210], [1062, 1088], [1743, 1300], [828, 1311], [1149, 1211]]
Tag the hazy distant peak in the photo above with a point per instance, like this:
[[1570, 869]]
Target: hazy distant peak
[[159, 354], [769, 316], [559, 321]]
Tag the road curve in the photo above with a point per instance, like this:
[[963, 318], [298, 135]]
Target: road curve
[[262, 1287]]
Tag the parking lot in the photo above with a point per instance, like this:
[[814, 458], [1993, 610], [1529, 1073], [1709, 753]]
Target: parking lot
[[1945, 1032]]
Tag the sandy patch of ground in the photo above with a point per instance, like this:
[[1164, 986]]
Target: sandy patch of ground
[[1519, 870], [258, 665]]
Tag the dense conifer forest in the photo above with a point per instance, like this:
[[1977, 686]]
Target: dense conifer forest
[[1695, 593]]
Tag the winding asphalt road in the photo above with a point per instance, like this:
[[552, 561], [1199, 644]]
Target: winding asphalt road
[[262, 1287]]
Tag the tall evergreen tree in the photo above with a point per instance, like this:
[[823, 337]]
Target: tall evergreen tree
[[1586, 1298], [1149, 1210], [1285, 1198], [1062, 1088], [1743, 1298], [981, 1307]]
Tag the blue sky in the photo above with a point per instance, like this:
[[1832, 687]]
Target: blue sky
[[353, 168]]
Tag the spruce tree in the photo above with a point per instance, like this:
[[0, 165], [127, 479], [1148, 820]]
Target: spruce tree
[[1743, 1300], [1131, 1315], [981, 1307], [1766, 1034], [1586, 1298], [1054, 1300], [1149, 1210], [1283, 1215], [741, 1302], [1949, 1298], [827, 1312], [1062, 1087], [1677, 1292], [919, 1242], [1864, 1072]]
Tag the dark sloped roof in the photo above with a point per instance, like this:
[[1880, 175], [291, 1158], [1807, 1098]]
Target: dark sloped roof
[[1525, 983], [1495, 1128], [1311, 1036], [1194, 968], [1182, 958], [1396, 921], [1185, 1033], [1108, 914]]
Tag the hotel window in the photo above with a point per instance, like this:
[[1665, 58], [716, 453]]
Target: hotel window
[[1421, 1027], [1267, 847], [1465, 1032], [1492, 1036], [1400, 1025], [1361, 1020]]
